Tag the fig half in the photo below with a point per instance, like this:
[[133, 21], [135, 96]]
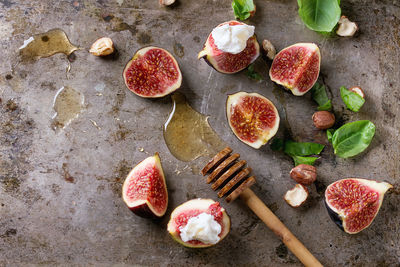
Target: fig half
[[297, 67], [353, 203], [152, 72], [252, 117], [229, 63], [144, 190], [192, 208]]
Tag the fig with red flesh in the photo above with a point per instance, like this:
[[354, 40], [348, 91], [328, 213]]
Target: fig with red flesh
[[144, 190], [353, 203], [229, 63], [297, 67], [252, 117], [152, 72], [192, 209]]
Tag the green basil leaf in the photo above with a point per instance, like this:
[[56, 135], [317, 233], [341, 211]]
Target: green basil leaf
[[243, 8], [353, 138], [329, 134], [277, 144], [352, 100], [304, 160], [318, 93], [319, 15], [252, 74], [302, 149]]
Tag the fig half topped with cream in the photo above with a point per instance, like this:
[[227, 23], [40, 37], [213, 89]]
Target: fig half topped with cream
[[199, 223], [231, 47]]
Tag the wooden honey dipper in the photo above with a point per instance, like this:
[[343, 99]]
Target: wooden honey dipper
[[225, 170]]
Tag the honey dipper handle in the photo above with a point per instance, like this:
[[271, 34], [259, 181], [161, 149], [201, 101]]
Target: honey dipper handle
[[270, 219]]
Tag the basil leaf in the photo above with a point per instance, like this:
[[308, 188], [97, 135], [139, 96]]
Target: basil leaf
[[304, 160], [352, 100], [353, 138], [277, 144], [243, 8], [252, 74], [329, 134], [302, 149], [319, 15], [318, 93]]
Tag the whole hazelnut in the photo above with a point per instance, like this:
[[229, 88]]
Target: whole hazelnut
[[323, 120], [102, 47], [357, 90], [304, 174]]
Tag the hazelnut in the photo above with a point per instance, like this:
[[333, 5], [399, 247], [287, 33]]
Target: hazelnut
[[269, 49], [166, 2], [346, 27], [102, 47], [357, 90], [323, 120], [304, 174], [296, 196]]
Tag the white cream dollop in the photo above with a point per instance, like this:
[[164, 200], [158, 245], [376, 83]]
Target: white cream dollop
[[232, 39], [203, 228]]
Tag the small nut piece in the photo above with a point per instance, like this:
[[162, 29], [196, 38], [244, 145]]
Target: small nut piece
[[296, 196], [304, 174], [166, 2], [357, 90], [346, 27], [323, 120], [269, 49], [102, 47]]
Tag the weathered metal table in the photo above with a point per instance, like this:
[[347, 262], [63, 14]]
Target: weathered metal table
[[60, 190]]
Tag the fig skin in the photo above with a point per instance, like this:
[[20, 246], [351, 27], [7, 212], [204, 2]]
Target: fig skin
[[342, 219], [143, 208], [195, 204]]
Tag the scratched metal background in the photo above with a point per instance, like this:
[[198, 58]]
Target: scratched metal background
[[60, 191]]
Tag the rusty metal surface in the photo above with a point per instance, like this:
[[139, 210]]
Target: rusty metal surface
[[60, 190]]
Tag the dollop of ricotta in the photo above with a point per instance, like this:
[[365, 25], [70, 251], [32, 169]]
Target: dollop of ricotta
[[203, 228], [232, 39]]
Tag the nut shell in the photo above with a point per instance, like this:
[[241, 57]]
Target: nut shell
[[102, 47], [304, 174], [357, 90], [323, 120]]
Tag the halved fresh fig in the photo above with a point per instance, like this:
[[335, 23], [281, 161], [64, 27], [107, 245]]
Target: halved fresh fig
[[353, 203], [297, 67], [200, 222], [152, 72], [144, 190], [229, 63], [252, 117]]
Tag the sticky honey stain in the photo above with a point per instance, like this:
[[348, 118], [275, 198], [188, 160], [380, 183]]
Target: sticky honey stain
[[187, 133], [46, 44], [68, 103]]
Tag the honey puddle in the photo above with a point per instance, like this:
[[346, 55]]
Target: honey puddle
[[46, 44], [68, 103], [187, 133]]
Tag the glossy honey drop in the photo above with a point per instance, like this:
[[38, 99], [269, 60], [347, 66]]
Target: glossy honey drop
[[46, 44], [187, 133]]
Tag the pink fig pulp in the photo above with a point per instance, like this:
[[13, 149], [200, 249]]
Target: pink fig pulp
[[144, 190], [152, 72], [297, 67]]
